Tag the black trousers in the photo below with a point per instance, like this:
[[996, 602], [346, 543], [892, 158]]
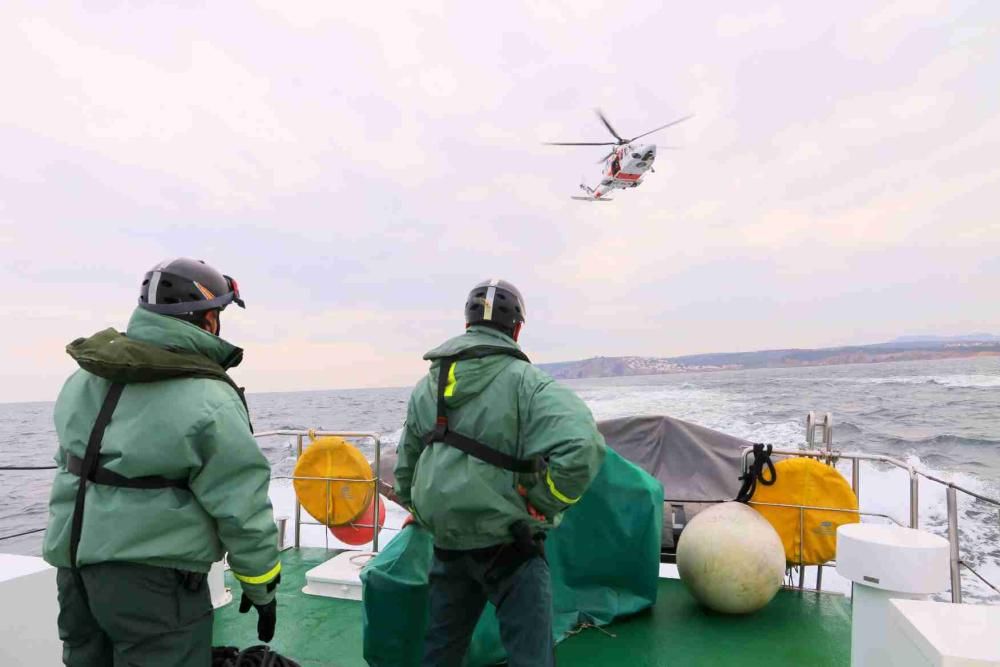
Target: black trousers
[[459, 588], [129, 614]]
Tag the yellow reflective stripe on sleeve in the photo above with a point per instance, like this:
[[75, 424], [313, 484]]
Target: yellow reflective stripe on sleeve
[[262, 579], [449, 389], [555, 492]]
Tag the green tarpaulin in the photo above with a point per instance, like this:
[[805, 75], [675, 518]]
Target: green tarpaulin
[[604, 558]]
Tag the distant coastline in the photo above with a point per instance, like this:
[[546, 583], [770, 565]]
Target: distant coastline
[[905, 348]]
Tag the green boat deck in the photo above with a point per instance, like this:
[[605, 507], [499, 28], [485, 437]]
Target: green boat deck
[[797, 628]]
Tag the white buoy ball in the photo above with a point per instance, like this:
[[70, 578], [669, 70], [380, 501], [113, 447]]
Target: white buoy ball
[[731, 558]]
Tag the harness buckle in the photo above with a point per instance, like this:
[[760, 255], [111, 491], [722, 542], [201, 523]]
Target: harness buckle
[[440, 428]]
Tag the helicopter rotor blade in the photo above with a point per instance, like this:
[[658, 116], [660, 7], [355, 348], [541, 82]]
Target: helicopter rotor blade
[[608, 125], [579, 143], [662, 127], [603, 159]]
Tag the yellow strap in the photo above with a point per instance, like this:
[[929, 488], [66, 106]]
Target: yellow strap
[[555, 492], [449, 389], [262, 579]]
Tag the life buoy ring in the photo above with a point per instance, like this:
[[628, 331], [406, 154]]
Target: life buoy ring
[[331, 457], [806, 481], [362, 529]]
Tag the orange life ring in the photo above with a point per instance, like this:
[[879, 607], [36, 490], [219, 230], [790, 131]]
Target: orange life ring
[[340, 500]]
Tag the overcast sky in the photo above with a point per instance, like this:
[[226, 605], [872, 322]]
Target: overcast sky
[[359, 166]]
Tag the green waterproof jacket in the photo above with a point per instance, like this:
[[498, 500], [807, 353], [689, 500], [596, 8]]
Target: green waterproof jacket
[[177, 418], [509, 405]]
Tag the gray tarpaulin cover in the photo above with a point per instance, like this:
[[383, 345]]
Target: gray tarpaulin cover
[[692, 462]]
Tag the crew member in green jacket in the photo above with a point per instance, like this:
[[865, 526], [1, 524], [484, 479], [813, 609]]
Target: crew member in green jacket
[[493, 452], [159, 475]]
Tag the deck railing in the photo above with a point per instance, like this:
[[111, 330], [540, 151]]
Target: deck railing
[[831, 457], [827, 454], [299, 434]]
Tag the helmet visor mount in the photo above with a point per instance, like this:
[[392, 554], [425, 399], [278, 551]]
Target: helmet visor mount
[[234, 289]]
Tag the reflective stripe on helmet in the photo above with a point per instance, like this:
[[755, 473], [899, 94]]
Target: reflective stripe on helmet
[[491, 294], [205, 292], [154, 285]]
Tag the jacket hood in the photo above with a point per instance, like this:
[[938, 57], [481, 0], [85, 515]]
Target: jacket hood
[[177, 335], [483, 353], [155, 348], [476, 336]]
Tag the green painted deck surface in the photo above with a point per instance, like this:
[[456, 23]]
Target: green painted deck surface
[[311, 630], [795, 629]]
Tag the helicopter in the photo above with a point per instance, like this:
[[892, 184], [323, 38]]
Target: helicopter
[[624, 166]]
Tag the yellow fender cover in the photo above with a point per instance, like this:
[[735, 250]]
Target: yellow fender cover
[[805, 481], [333, 457]]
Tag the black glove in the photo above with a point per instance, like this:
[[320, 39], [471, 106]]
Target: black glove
[[267, 616]]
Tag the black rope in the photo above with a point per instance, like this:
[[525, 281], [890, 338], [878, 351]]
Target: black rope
[[27, 532], [761, 458], [255, 656], [692, 501], [28, 467]]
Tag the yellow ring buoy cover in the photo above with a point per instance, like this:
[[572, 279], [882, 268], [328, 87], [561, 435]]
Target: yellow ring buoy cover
[[806, 481], [333, 457]]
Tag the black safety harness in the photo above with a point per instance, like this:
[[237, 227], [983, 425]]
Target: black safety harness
[[527, 544], [89, 469], [474, 448]]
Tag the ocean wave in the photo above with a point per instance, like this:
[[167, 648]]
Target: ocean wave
[[944, 461], [884, 490], [958, 381], [846, 428], [946, 440], [917, 412]]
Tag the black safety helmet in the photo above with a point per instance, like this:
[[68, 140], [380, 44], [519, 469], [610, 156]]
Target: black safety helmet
[[496, 303], [187, 288]]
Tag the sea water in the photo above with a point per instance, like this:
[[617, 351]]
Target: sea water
[[941, 416]]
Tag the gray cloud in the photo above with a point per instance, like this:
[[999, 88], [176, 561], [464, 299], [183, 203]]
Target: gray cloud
[[359, 168]]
